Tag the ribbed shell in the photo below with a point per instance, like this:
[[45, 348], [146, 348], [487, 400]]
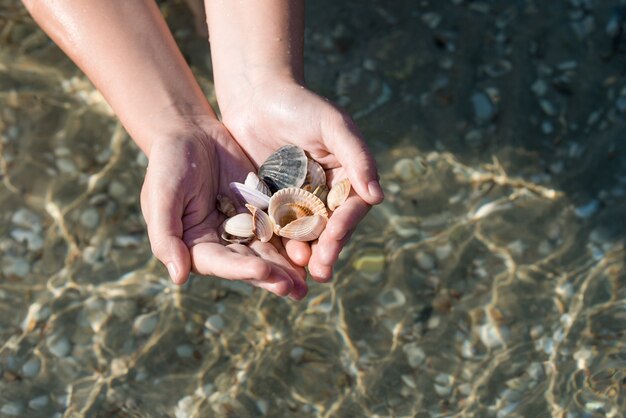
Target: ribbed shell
[[292, 203], [262, 224], [307, 228], [286, 167], [315, 174], [338, 194]]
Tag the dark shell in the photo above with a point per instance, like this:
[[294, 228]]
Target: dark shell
[[286, 167]]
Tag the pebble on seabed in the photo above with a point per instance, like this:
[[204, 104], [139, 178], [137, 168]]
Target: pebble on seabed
[[215, 324], [145, 324], [59, 346], [31, 367], [39, 402], [392, 298], [12, 409]]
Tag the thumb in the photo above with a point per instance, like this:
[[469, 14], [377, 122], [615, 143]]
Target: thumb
[[165, 230], [346, 143]]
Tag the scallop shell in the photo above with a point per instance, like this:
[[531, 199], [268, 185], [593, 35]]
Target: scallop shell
[[255, 182], [236, 240], [338, 194], [286, 167], [306, 228], [262, 224], [239, 225], [315, 174], [250, 195], [292, 204]]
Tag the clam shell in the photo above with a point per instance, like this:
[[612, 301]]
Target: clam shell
[[338, 194], [255, 182], [315, 174], [292, 203], [286, 167], [262, 224], [239, 225], [236, 240], [307, 228], [250, 195]]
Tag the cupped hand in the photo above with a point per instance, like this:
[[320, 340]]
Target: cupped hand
[[185, 174], [265, 116]]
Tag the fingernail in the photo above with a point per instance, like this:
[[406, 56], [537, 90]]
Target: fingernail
[[374, 189], [172, 270]]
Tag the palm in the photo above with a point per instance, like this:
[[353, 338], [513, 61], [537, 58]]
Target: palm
[[183, 180]]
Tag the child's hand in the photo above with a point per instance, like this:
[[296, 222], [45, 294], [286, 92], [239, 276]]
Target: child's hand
[[264, 116], [185, 174]]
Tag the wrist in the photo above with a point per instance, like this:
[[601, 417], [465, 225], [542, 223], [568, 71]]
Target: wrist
[[171, 122]]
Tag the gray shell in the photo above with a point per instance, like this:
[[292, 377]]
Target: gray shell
[[286, 167]]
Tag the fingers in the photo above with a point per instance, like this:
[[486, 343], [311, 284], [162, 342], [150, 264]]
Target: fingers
[[298, 252], [238, 262], [297, 274], [340, 226], [345, 141], [163, 212]]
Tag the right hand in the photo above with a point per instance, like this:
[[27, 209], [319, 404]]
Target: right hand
[[186, 172]]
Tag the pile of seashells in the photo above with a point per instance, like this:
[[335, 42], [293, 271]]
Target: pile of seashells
[[293, 190]]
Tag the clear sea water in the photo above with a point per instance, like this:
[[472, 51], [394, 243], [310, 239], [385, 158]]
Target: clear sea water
[[490, 283]]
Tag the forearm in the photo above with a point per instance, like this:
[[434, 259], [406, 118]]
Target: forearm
[[255, 40], [128, 52]]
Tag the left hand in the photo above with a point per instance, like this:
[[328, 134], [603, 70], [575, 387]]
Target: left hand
[[266, 115]]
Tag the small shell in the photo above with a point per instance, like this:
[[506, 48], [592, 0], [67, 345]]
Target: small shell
[[315, 174], [236, 240], [338, 194], [253, 181], [284, 168], [239, 225], [262, 224], [292, 203], [226, 206], [250, 195], [321, 191], [307, 228]]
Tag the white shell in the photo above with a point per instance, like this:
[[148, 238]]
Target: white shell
[[338, 194], [250, 195], [239, 225], [253, 181], [262, 224], [307, 228]]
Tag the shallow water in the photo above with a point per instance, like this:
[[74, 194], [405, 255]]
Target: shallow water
[[490, 283]]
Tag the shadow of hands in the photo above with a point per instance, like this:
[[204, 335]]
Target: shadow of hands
[[185, 174]]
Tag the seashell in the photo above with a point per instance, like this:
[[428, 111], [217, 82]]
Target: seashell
[[255, 182], [286, 167], [306, 228], [262, 224], [239, 225], [315, 174], [321, 191], [236, 240], [338, 194], [292, 204], [250, 195], [226, 206]]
